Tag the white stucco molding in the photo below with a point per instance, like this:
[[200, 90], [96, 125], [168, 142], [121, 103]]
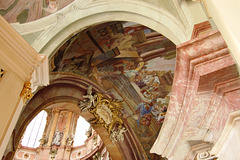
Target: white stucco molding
[[80, 14], [16, 54], [228, 142], [40, 76]]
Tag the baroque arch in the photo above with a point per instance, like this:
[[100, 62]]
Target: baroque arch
[[66, 89], [54, 30]]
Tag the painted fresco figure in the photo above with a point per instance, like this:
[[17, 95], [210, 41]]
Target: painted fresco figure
[[52, 6], [145, 116], [145, 110], [159, 113]]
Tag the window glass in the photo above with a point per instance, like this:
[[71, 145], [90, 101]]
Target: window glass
[[34, 131], [82, 127]]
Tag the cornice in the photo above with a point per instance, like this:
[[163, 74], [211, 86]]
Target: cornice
[[16, 54]]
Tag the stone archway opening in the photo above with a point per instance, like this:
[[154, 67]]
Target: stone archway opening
[[57, 100]]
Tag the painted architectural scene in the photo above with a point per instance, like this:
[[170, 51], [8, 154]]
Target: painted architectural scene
[[132, 63]]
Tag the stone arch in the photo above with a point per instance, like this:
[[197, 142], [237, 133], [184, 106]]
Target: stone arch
[[56, 29], [64, 89]]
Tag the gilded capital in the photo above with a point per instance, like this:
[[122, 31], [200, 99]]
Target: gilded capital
[[63, 113], [56, 111]]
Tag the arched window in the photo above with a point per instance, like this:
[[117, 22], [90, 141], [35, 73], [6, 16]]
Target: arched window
[[34, 131], [82, 127]]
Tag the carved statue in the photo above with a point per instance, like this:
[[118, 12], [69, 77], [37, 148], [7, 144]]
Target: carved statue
[[88, 133], [82, 104], [57, 138], [70, 140], [120, 136], [43, 140], [113, 136], [117, 135], [86, 104]]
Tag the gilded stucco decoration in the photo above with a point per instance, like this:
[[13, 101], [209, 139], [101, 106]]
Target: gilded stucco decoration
[[26, 92], [107, 113]]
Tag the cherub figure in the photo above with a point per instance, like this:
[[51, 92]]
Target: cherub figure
[[113, 136], [86, 104], [117, 135], [120, 136]]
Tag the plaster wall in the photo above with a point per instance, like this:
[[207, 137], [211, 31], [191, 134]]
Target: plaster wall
[[18, 60], [226, 16]]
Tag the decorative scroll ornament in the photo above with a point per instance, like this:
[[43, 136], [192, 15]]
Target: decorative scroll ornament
[[43, 140], [206, 156], [26, 92], [2, 72], [53, 152], [107, 113]]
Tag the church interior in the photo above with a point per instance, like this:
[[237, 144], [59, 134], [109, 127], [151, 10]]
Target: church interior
[[134, 80]]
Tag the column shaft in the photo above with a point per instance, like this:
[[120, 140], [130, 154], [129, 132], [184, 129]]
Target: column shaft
[[53, 127], [67, 127]]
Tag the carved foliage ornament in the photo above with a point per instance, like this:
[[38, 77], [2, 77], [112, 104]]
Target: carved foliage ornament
[[26, 92], [106, 112]]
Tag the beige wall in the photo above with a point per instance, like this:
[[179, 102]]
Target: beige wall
[[225, 15], [18, 60]]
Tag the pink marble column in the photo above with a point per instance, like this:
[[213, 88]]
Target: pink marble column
[[53, 127]]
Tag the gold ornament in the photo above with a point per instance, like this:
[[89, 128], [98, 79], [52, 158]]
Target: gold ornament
[[26, 92], [106, 112]]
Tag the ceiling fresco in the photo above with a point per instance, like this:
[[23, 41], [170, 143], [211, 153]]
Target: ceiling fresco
[[133, 63], [29, 10]]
